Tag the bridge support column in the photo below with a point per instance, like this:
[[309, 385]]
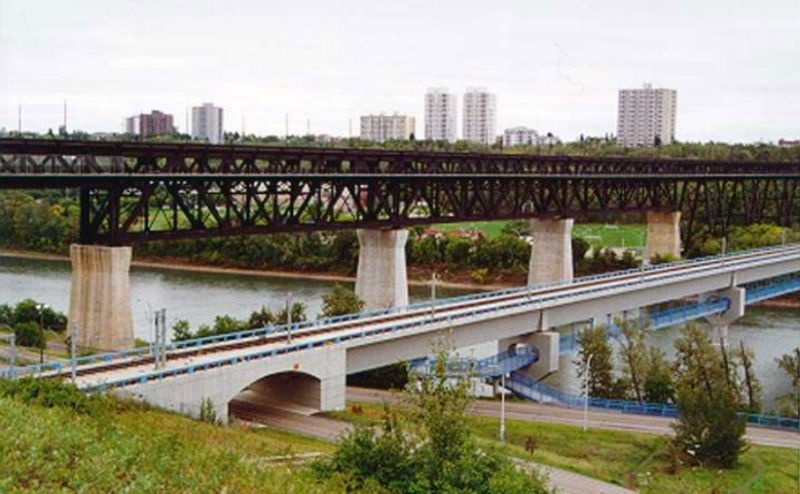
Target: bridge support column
[[663, 234], [546, 343], [720, 322], [551, 254], [381, 279], [100, 299]]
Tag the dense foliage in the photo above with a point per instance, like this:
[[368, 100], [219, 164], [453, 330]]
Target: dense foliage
[[28, 320], [225, 324], [427, 446], [790, 364], [339, 301]]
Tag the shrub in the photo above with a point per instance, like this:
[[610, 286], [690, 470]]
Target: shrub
[[29, 334]]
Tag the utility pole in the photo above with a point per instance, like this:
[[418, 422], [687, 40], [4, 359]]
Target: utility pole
[[586, 398], [286, 134], [503, 406], [73, 335], [433, 292], [19, 119], [289, 318]]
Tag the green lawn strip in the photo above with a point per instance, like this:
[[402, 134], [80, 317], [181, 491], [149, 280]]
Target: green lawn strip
[[633, 460]]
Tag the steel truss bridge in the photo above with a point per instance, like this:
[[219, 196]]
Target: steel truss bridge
[[133, 192]]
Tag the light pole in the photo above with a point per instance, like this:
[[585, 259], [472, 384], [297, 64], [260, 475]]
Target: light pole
[[289, 317], [41, 308], [586, 398], [502, 406]]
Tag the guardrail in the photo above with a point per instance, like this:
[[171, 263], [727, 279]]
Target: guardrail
[[493, 366], [528, 387], [422, 307]]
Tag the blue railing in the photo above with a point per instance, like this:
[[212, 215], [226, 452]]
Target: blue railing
[[422, 307], [761, 292], [528, 387], [502, 363]]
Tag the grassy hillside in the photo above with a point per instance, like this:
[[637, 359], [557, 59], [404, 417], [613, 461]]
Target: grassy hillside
[[638, 461], [124, 447]]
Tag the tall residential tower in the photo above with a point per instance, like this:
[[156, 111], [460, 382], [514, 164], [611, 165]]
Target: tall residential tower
[[480, 111], [207, 123], [441, 115], [644, 115]]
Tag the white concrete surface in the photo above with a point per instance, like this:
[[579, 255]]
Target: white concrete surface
[[551, 253], [381, 279]]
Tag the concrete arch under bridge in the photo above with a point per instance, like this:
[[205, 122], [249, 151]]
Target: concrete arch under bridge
[[307, 382]]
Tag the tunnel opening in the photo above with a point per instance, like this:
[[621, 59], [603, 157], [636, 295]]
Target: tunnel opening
[[277, 396]]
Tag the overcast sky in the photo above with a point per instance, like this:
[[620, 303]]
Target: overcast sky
[[555, 66]]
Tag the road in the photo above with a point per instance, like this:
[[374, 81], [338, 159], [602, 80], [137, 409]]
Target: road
[[250, 408], [536, 412]]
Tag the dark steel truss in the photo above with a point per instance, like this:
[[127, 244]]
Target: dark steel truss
[[133, 192]]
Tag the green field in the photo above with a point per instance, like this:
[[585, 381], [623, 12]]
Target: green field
[[597, 234], [636, 461]]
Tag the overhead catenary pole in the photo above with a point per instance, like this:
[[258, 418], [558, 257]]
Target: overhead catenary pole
[[586, 398], [289, 305]]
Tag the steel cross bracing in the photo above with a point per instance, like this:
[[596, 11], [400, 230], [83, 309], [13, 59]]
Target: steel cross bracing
[[133, 192]]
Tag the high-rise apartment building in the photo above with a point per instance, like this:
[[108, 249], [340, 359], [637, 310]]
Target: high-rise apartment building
[[382, 128], [149, 124], [207, 123], [480, 111], [644, 115], [441, 115], [520, 136]]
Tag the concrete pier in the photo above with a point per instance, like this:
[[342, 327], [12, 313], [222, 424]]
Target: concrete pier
[[551, 254], [100, 298], [381, 280], [721, 322], [663, 234], [546, 342]]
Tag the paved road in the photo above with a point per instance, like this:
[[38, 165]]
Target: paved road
[[250, 408], [536, 412]]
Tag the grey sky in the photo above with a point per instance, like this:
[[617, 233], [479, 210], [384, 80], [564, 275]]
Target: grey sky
[[555, 65]]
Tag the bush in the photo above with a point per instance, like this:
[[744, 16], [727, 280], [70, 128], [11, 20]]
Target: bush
[[50, 393], [341, 301], [426, 447], [29, 334]]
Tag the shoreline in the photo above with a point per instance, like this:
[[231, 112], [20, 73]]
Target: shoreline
[[791, 301], [179, 265]]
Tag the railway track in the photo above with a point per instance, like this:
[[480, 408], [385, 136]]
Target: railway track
[[578, 286]]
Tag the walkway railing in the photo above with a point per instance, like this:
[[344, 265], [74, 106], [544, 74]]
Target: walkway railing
[[147, 352], [528, 387], [502, 363]]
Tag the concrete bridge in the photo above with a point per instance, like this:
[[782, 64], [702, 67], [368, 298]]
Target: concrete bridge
[[305, 365]]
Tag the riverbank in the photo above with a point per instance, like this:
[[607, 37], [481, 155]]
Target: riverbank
[[417, 277]]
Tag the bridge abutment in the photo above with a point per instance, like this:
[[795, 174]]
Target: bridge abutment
[[381, 279], [663, 234], [100, 299], [551, 254]]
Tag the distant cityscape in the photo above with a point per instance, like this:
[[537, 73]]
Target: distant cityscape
[[646, 117]]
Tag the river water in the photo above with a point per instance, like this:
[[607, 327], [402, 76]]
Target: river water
[[200, 296]]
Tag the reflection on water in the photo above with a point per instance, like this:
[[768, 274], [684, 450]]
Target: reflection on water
[[198, 297]]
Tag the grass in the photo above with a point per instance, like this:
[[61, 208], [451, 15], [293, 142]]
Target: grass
[[637, 461], [597, 234], [136, 449]]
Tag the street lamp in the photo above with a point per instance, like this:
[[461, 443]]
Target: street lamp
[[586, 398], [502, 400], [41, 308]]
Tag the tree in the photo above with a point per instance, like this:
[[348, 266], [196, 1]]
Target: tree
[[29, 334], [181, 330], [340, 301], [790, 363], [633, 350], [709, 429], [752, 386], [425, 445], [594, 343], [658, 385]]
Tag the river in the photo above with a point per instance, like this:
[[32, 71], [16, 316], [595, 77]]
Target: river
[[200, 296]]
